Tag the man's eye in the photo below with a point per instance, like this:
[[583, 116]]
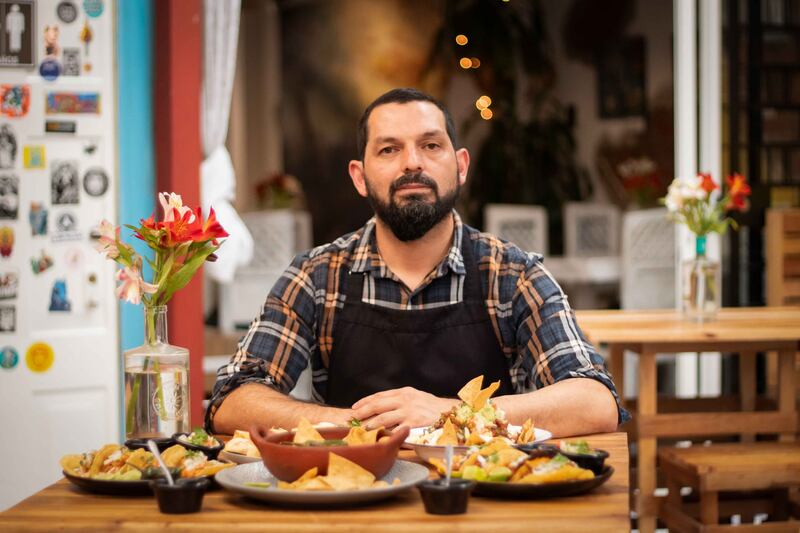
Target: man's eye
[[386, 150], [432, 146]]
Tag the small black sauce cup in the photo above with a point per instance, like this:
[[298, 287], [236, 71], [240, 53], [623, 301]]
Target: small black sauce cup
[[185, 496], [441, 499], [162, 443]]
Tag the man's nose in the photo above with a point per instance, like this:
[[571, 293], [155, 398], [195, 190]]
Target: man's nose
[[413, 159]]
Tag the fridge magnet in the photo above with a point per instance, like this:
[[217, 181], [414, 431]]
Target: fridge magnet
[[41, 263], [95, 182], [17, 38], [72, 103], [50, 69], [93, 8], [9, 196], [71, 62], [6, 241], [66, 228], [86, 37], [8, 146], [64, 180], [9, 357], [51, 46], [9, 282], [58, 297], [38, 219], [94, 233], [8, 319], [39, 357], [90, 148], [33, 156], [60, 126], [67, 12], [15, 100]]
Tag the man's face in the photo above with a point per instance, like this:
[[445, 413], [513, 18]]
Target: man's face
[[411, 174]]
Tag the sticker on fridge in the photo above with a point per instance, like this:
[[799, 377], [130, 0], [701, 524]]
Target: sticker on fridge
[[15, 100], [8, 146], [9, 196], [17, 37], [9, 283], [64, 181], [8, 319], [33, 156], [72, 103], [37, 216]]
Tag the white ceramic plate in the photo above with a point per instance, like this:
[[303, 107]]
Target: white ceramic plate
[[427, 451], [234, 479], [237, 458]]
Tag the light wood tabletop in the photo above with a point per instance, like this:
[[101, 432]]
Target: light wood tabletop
[[745, 330], [63, 506]]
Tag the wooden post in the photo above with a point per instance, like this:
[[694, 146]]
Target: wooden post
[[647, 443], [747, 386]]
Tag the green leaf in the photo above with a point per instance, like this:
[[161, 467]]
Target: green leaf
[[184, 274]]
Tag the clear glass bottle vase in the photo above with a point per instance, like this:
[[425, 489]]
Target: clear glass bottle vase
[[156, 382], [701, 280]]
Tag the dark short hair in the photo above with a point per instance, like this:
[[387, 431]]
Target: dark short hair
[[401, 96]]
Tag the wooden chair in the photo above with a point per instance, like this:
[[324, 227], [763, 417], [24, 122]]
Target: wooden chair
[[709, 470]]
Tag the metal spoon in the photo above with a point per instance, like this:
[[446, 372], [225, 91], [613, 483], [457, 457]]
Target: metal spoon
[[448, 461], [154, 450]]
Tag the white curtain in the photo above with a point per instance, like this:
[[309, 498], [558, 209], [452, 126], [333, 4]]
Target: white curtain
[[217, 177]]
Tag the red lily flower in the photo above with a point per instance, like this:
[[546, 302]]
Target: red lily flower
[[207, 230], [708, 183], [148, 224], [179, 230], [738, 190]]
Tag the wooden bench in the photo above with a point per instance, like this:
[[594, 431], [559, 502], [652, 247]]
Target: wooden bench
[[709, 470]]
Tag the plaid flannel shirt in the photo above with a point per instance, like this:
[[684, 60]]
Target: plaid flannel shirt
[[534, 324]]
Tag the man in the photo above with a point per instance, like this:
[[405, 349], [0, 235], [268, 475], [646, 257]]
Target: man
[[396, 317]]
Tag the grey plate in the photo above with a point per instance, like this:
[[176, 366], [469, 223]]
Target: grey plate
[[234, 479], [237, 458]]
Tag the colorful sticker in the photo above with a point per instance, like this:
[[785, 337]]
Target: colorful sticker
[[93, 8], [86, 37], [9, 283], [66, 228], [8, 319], [38, 219], [41, 263], [39, 357], [50, 69], [51, 46], [8, 146], [64, 182], [72, 62], [72, 103], [18, 34], [9, 196], [58, 297], [6, 241], [9, 357], [15, 100], [67, 12], [60, 126], [95, 182], [33, 156]]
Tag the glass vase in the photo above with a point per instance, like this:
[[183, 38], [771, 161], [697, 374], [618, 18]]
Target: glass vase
[[701, 280], [156, 382]]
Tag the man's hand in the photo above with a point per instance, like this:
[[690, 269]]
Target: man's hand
[[407, 406]]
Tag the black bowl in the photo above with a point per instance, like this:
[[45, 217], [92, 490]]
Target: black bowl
[[594, 461], [186, 496], [441, 499], [162, 443], [210, 451]]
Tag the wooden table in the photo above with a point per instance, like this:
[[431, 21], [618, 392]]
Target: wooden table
[[742, 330], [65, 507]]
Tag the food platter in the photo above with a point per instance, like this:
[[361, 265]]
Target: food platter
[[530, 491], [107, 486], [428, 451]]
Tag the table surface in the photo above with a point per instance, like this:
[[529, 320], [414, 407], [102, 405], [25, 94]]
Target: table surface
[[64, 506], [735, 324]]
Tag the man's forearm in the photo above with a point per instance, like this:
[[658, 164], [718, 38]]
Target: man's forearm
[[575, 406], [260, 404]]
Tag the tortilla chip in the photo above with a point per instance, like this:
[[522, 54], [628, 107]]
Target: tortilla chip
[[448, 436], [306, 432], [101, 456], [347, 475], [173, 456], [72, 464], [140, 459], [473, 439], [239, 434], [470, 390], [359, 435], [509, 455], [495, 446], [483, 396], [527, 433]]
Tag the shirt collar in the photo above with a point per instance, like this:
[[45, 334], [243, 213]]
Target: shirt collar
[[366, 257]]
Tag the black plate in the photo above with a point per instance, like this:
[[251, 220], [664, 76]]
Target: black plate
[[162, 443], [527, 491], [210, 451], [107, 486], [590, 461]]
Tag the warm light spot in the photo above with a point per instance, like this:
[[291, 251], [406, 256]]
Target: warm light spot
[[486, 114], [475, 62], [483, 102], [465, 62], [461, 39]]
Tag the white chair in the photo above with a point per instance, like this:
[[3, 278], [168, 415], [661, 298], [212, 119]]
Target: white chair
[[591, 229], [524, 225]]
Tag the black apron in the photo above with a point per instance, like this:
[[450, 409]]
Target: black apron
[[435, 350]]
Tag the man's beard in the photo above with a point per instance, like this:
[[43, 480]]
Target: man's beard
[[415, 216]]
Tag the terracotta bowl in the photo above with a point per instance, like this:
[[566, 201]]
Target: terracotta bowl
[[288, 463]]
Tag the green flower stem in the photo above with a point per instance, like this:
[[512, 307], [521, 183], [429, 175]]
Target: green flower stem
[[130, 409]]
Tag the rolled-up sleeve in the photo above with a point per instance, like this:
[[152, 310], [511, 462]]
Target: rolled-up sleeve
[[279, 343], [549, 336]]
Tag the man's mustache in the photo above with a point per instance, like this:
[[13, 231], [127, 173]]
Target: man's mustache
[[417, 178]]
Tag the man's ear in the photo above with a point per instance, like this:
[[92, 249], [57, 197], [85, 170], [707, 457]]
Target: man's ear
[[356, 170], [462, 159]]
